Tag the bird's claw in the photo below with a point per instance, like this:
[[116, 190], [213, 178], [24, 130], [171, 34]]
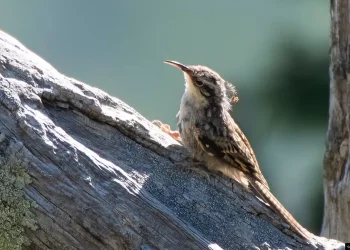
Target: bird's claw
[[166, 129]]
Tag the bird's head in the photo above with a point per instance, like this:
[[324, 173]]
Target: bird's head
[[206, 86]]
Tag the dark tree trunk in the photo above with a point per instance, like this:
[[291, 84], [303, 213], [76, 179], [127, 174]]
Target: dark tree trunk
[[336, 221]]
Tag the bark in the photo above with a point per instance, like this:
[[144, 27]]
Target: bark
[[336, 221], [103, 177]]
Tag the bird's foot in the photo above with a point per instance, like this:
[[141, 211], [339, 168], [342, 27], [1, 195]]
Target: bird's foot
[[166, 129]]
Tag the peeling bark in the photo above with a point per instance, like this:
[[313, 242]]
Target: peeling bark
[[103, 176]]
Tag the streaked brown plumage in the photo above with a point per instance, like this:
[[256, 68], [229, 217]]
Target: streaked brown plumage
[[209, 132]]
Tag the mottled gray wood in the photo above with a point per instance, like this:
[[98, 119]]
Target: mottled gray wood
[[104, 177], [336, 221]]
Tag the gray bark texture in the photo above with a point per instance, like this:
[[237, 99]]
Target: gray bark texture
[[336, 221], [104, 177]]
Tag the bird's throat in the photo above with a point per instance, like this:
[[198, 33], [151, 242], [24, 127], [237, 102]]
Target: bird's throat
[[193, 93]]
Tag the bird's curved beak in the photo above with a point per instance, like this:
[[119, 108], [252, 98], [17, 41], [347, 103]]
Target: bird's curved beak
[[178, 65]]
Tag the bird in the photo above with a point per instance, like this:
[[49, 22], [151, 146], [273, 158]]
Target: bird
[[212, 136]]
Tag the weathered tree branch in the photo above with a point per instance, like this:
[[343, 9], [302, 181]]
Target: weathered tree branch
[[103, 177], [336, 221]]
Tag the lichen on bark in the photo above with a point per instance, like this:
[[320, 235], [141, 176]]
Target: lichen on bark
[[15, 215]]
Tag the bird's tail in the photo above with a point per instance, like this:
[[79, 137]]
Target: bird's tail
[[278, 208]]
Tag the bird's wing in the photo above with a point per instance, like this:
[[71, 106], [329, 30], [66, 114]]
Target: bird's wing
[[227, 141]]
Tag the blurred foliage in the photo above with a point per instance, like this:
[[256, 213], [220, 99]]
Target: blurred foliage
[[298, 89]]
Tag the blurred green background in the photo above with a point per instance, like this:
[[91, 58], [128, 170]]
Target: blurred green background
[[275, 52]]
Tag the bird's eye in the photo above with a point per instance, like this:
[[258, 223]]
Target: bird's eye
[[199, 83]]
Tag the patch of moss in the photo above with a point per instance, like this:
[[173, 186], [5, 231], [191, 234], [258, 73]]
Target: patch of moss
[[15, 215]]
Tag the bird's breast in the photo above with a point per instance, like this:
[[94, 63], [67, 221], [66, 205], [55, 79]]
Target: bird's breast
[[187, 119]]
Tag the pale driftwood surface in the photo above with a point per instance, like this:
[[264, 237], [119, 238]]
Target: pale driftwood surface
[[336, 221], [104, 177]]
